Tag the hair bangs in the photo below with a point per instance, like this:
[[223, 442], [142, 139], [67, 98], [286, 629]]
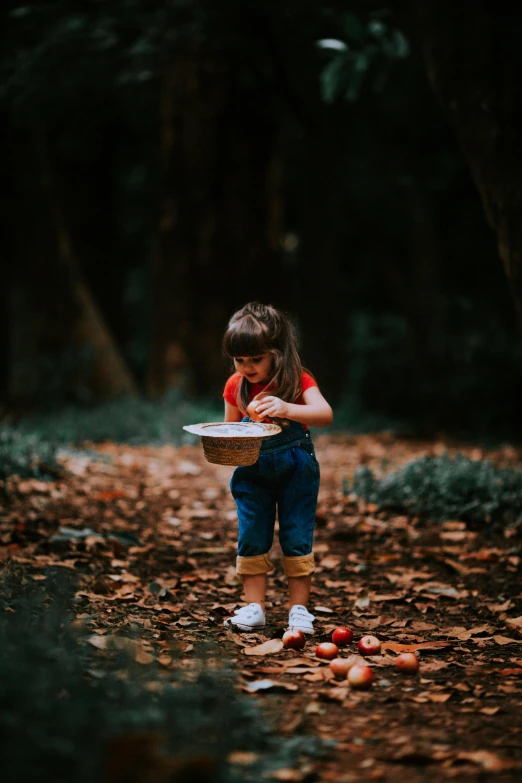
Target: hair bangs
[[246, 337]]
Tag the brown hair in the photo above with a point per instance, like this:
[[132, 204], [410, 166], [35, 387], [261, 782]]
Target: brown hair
[[258, 329]]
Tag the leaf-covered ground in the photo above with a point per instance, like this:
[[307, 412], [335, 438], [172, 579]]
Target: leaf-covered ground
[[151, 535]]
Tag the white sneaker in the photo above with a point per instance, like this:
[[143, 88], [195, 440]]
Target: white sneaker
[[248, 618], [300, 619]]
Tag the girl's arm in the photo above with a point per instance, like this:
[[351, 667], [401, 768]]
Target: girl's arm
[[232, 413], [315, 412]]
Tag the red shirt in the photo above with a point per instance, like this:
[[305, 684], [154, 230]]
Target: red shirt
[[232, 388]]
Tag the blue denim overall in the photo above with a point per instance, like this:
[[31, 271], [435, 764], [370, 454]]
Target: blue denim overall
[[286, 478]]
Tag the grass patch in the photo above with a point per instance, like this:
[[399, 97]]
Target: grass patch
[[132, 420], [26, 454], [446, 487], [70, 712]]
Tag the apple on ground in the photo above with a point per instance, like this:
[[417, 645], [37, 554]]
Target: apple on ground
[[369, 645], [407, 662], [342, 636], [360, 677], [294, 639], [341, 666], [327, 650]]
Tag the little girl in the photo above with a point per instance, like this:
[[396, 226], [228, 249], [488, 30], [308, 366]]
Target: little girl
[[261, 341]]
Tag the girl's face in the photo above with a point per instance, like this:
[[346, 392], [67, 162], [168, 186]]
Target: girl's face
[[256, 369]]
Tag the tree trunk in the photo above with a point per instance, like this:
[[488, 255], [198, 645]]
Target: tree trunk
[[60, 346], [220, 231], [471, 53], [322, 305]]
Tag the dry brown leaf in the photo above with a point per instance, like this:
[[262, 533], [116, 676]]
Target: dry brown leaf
[[497, 608], [514, 624], [316, 676], [242, 757], [329, 562], [271, 647], [335, 694], [464, 570], [288, 774], [362, 601], [487, 760], [439, 698], [506, 640], [400, 648], [489, 710]]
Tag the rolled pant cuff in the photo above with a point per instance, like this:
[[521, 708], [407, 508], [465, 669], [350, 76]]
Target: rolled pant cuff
[[303, 565], [257, 564]]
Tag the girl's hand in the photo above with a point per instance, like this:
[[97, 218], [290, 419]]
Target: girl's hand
[[272, 407]]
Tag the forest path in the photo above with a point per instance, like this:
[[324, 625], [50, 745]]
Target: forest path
[[152, 534]]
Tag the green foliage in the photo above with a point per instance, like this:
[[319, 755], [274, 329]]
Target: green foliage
[[446, 487], [131, 420], [26, 454], [61, 700], [363, 60]]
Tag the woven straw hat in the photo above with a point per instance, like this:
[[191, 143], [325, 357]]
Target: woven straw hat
[[232, 443]]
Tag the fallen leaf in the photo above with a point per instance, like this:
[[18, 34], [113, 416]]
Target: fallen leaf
[[329, 562], [461, 569], [514, 624], [316, 676], [436, 588], [439, 698], [335, 694], [267, 648], [506, 640], [487, 760], [489, 710], [286, 773], [265, 685], [500, 607], [434, 666], [362, 601], [400, 648], [242, 757]]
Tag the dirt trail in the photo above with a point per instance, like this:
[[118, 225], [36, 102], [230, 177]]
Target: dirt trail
[[155, 547]]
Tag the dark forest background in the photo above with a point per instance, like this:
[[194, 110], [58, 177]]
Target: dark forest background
[[355, 164]]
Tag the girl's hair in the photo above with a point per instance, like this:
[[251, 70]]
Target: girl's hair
[[258, 329]]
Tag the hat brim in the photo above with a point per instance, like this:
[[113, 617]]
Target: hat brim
[[233, 429]]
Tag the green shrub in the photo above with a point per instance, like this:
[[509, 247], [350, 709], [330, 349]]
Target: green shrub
[[446, 487], [26, 454], [61, 700], [132, 420]]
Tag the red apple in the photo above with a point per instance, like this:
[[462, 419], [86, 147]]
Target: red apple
[[294, 639], [341, 666], [360, 677], [326, 650], [252, 411], [369, 645], [407, 662], [342, 636]]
